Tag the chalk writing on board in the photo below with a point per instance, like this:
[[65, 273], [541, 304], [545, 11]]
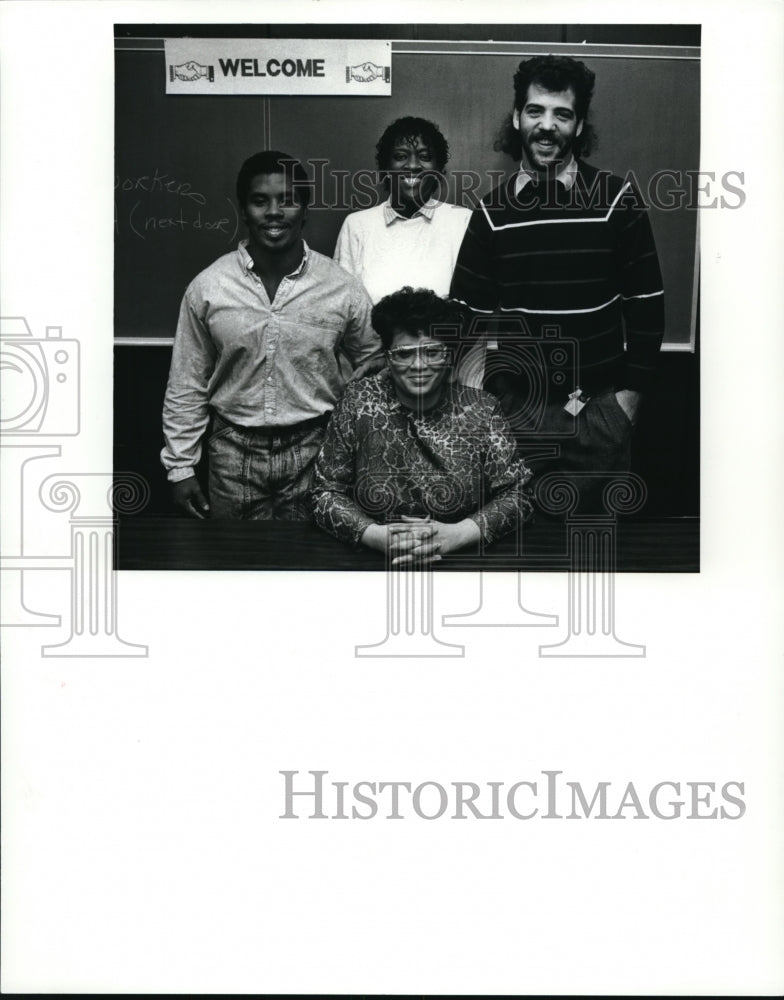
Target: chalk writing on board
[[149, 216], [158, 182]]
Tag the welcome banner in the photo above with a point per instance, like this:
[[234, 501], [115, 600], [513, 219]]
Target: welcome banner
[[278, 66]]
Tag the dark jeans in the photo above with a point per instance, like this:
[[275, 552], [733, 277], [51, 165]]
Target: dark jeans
[[262, 475], [597, 441]]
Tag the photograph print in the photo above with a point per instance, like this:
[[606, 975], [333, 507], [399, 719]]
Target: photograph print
[[416, 296]]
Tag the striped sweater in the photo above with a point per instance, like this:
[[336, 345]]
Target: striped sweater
[[580, 261]]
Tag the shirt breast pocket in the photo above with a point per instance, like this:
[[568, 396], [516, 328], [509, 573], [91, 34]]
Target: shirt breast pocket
[[311, 345]]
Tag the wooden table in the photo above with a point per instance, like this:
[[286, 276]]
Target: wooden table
[[669, 545]]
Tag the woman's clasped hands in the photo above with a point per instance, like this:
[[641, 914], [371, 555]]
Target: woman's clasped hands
[[420, 540]]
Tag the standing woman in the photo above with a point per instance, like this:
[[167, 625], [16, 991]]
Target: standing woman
[[412, 238]]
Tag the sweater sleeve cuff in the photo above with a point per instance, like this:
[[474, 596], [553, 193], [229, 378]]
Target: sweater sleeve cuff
[[486, 533], [361, 522]]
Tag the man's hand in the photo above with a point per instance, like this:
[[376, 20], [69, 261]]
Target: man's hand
[[370, 366], [629, 402], [188, 496]]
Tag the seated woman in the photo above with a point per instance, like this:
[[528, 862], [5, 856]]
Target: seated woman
[[412, 461]]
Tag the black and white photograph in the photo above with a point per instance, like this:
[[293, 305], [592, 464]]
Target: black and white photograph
[[566, 376], [390, 439]]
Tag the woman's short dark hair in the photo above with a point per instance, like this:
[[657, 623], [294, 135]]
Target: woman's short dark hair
[[408, 129], [553, 73], [414, 309], [273, 161]]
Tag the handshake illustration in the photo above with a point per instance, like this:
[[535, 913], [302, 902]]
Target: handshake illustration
[[366, 72], [191, 70]]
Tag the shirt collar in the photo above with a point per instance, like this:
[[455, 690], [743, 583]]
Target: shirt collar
[[566, 175], [247, 261], [426, 211]]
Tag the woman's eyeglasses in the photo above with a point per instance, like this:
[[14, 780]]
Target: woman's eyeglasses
[[428, 354]]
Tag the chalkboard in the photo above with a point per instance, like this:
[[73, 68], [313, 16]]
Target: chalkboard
[[177, 157]]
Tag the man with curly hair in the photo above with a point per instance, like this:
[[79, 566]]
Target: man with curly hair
[[563, 249], [412, 238]]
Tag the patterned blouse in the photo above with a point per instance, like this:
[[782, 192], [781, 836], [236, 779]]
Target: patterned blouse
[[380, 460]]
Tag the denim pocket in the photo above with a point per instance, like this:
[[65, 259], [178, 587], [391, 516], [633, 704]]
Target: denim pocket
[[220, 429]]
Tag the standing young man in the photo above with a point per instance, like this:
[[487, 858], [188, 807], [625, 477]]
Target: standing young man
[[563, 249], [256, 347]]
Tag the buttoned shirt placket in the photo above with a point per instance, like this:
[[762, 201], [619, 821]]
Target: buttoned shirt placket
[[274, 310]]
